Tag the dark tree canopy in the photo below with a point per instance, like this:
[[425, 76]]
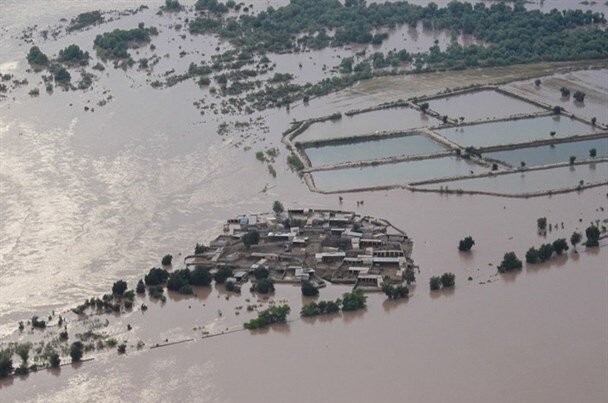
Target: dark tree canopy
[[119, 288], [309, 290], [466, 244], [510, 262]]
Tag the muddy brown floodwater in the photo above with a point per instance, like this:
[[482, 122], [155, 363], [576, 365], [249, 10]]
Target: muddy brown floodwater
[[88, 198]]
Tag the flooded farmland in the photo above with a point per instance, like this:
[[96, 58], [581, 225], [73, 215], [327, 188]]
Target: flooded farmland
[[412, 145], [369, 122], [89, 197], [553, 154], [488, 104], [532, 181], [516, 131], [393, 174]]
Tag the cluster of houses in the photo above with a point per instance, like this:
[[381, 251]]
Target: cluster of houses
[[311, 245]]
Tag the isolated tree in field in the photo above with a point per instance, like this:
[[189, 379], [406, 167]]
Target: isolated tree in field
[[277, 207], [251, 238], [593, 236], [572, 159], [593, 153], [76, 351], [537, 82], [424, 106], [579, 96], [557, 110], [509, 262], [565, 92], [541, 223], [36, 57], [119, 288], [593, 120], [54, 360], [435, 283], [466, 244], [575, 239]]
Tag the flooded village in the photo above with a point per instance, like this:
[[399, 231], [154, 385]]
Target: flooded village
[[192, 201]]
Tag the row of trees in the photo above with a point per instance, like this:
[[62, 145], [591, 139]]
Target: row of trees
[[447, 280], [274, 314], [350, 301], [114, 45]]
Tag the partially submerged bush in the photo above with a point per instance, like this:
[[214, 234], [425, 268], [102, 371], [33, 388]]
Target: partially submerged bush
[[268, 316]]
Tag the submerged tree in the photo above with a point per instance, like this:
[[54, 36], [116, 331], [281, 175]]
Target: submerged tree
[[509, 262], [575, 239], [593, 236], [466, 244]]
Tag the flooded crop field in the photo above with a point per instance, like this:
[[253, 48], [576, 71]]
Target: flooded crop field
[[592, 82], [553, 154], [102, 177], [488, 105], [366, 123], [532, 181], [399, 173], [516, 131], [411, 145]]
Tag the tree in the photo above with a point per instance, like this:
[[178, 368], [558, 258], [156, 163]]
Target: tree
[[557, 110], [532, 256], [509, 262], [122, 348], [274, 314], [537, 82], [62, 75], [76, 351], [593, 236], [448, 280], [167, 260], [575, 239], [395, 292], [36, 57], [201, 276], [251, 238], [579, 96], [309, 290], [261, 272], [572, 159], [545, 252], [73, 54], [156, 276], [435, 283], [352, 301], [424, 106], [199, 249], [6, 363], [119, 288], [277, 207], [140, 288], [179, 281], [593, 121], [23, 351], [565, 92], [54, 360], [560, 245], [263, 286], [466, 244], [410, 275], [541, 223], [222, 274], [593, 153]]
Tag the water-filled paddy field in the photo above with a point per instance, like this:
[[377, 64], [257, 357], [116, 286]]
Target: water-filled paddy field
[[485, 104], [516, 131], [412, 145], [552, 154], [393, 174], [369, 122], [531, 181]]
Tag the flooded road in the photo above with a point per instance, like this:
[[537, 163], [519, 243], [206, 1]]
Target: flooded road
[[91, 197]]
